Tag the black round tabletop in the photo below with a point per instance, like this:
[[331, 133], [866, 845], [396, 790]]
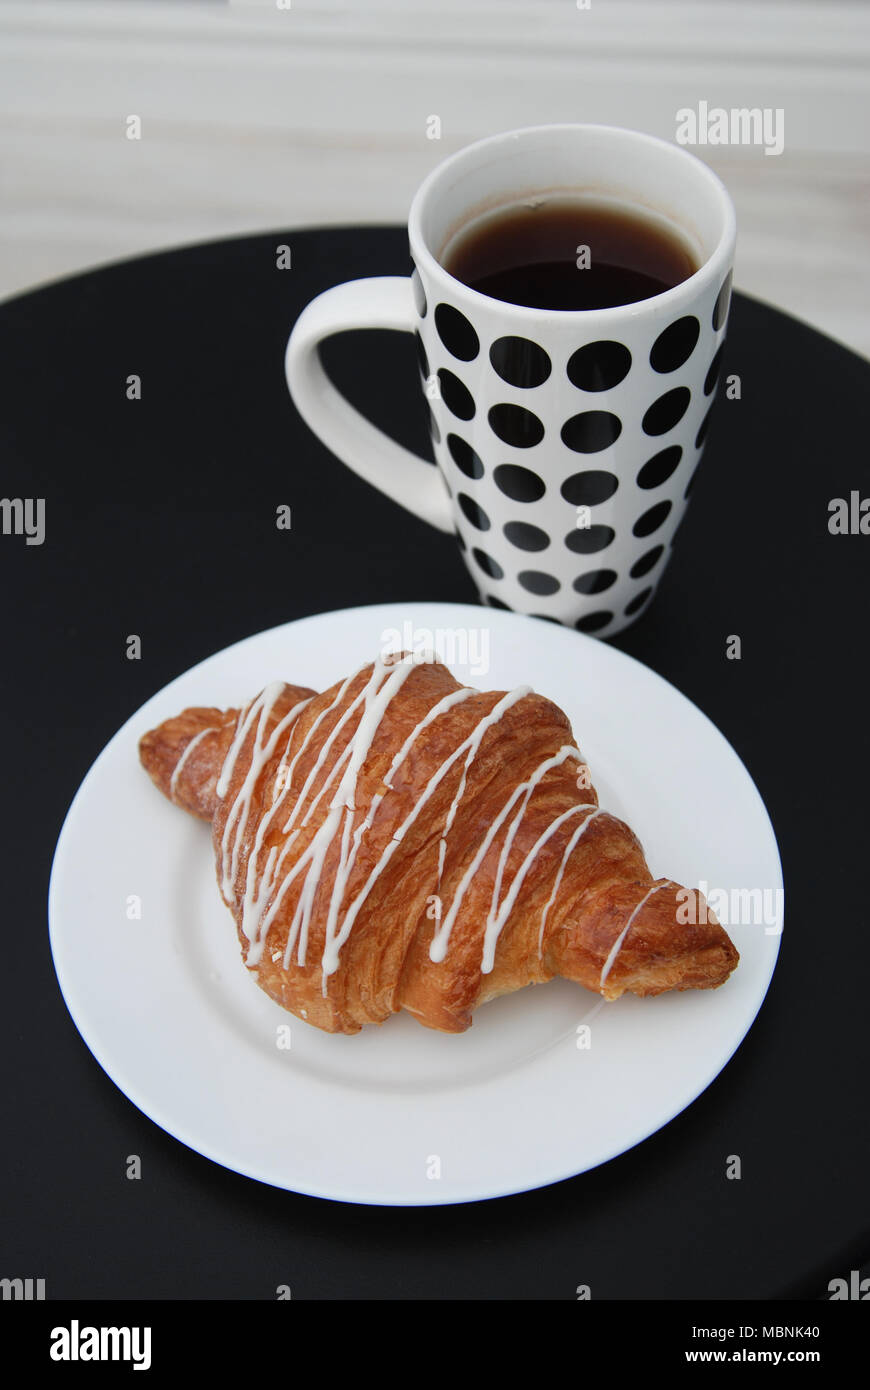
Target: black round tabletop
[[159, 520]]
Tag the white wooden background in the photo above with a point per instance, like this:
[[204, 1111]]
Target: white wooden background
[[257, 116]]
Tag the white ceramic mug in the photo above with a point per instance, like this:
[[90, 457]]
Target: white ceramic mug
[[564, 454]]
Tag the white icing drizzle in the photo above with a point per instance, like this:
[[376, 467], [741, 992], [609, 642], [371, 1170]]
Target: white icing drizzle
[[237, 818], [439, 943], [565, 752], [251, 910], [617, 945], [472, 741], [578, 833], [454, 698], [382, 685], [495, 924], [243, 724], [173, 784], [327, 744], [336, 829]]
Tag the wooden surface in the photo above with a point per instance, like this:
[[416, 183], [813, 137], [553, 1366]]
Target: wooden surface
[[255, 117]]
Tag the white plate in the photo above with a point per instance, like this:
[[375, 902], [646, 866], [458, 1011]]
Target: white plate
[[401, 1115]]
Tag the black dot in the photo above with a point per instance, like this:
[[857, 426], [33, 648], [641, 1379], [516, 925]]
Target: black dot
[[464, 457], [592, 431], [587, 540], [456, 333], [599, 366], [520, 362], [593, 622], [546, 618], [675, 346], [667, 411], [526, 537], [460, 541], [538, 583], [590, 488], [713, 373], [419, 296], [473, 512], [705, 425], [637, 602], [595, 581], [720, 308], [518, 483], [455, 396], [516, 425], [421, 355], [651, 520], [433, 427], [690, 484], [488, 564], [646, 562], [659, 468], [497, 603]]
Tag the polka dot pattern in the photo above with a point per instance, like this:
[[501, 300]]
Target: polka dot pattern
[[525, 536], [466, 460], [455, 395], [488, 564], [599, 366], [659, 468], [589, 489], [702, 432], [667, 411], [592, 431], [570, 497], [473, 512], [674, 347], [515, 425], [713, 373], [456, 333], [651, 520], [422, 359], [723, 300], [588, 540], [538, 583], [518, 483], [637, 602], [520, 362], [646, 562], [594, 622], [595, 581]]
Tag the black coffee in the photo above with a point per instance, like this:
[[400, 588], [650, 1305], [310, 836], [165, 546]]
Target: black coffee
[[569, 253]]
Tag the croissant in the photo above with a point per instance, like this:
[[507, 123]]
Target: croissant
[[405, 842]]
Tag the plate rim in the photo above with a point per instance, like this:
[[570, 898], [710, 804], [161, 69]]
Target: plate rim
[[482, 615]]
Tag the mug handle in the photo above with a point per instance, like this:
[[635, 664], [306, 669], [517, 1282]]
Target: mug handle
[[382, 301]]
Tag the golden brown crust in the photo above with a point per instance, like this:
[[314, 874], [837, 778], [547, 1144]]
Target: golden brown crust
[[161, 749], [585, 905]]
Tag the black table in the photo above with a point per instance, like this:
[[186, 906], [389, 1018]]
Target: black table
[[160, 521]]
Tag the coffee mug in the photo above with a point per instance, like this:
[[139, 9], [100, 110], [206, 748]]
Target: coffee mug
[[565, 440]]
